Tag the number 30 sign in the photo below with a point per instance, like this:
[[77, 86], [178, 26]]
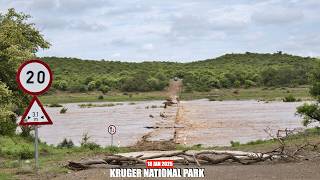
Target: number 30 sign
[[34, 77]]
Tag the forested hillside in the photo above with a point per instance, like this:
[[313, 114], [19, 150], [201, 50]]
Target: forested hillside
[[231, 70]]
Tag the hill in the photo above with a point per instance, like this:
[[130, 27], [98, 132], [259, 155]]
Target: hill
[[230, 70]]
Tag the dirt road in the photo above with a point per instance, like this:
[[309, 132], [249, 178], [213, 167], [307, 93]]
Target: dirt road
[[165, 126], [288, 171]]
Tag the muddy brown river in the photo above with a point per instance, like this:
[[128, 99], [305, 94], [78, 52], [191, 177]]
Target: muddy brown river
[[217, 123], [211, 123]]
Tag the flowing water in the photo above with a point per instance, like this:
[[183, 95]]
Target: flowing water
[[205, 122], [217, 123], [130, 120]]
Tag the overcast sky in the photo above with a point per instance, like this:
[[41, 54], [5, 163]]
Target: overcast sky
[[175, 30]]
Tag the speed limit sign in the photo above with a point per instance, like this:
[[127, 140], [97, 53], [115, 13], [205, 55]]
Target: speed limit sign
[[34, 77]]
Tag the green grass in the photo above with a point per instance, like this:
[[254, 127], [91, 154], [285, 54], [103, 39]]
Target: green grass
[[311, 135], [266, 94], [90, 105], [5, 176], [65, 97], [17, 155]]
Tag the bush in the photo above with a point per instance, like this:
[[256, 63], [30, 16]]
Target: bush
[[7, 123], [16, 147], [249, 83], [235, 143], [61, 85], [259, 141], [113, 149], [66, 143], [55, 105], [310, 113], [289, 98], [63, 110], [91, 145], [100, 97], [105, 89], [25, 152], [91, 85], [85, 143]]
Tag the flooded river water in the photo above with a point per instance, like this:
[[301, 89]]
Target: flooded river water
[[205, 122], [217, 123]]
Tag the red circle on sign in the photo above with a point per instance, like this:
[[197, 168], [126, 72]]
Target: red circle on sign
[[19, 72]]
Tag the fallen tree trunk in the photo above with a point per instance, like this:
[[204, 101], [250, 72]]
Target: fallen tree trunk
[[181, 157]]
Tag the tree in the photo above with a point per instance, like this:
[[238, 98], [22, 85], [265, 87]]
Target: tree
[[311, 112], [19, 40]]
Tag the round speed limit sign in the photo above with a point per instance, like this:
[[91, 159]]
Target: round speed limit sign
[[34, 77], [112, 129]]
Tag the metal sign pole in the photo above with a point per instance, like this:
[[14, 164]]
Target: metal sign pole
[[36, 155], [111, 139]]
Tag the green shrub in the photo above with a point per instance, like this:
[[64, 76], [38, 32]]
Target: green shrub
[[55, 105], [249, 83], [113, 149], [90, 145], [100, 97], [16, 147], [235, 143], [309, 112], [289, 98], [25, 152], [85, 143], [66, 143], [61, 85], [259, 141], [105, 89], [63, 110], [91, 85], [8, 123]]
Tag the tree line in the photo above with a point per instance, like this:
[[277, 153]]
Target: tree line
[[228, 71]]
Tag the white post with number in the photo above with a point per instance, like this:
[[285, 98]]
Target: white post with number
[[112, 130]]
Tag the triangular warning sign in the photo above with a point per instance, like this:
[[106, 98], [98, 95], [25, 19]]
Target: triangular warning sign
[[35, 114]]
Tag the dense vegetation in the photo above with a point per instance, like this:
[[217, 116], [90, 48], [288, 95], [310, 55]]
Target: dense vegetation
[[228, 71], [311, 112], [19, 40]]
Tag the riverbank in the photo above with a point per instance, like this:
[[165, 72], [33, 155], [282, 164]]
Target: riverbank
[[16, 154], [265, 94], [262, 94]]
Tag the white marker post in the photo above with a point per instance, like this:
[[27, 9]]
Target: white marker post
[[34, 77], [112, 130]]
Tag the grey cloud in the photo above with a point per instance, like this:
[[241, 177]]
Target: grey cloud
[[121, 42], [86, 26], [50, 23], [184, 29], [200, 26], [277, 15]]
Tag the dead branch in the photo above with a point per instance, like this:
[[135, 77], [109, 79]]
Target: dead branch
[[210, 157]]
